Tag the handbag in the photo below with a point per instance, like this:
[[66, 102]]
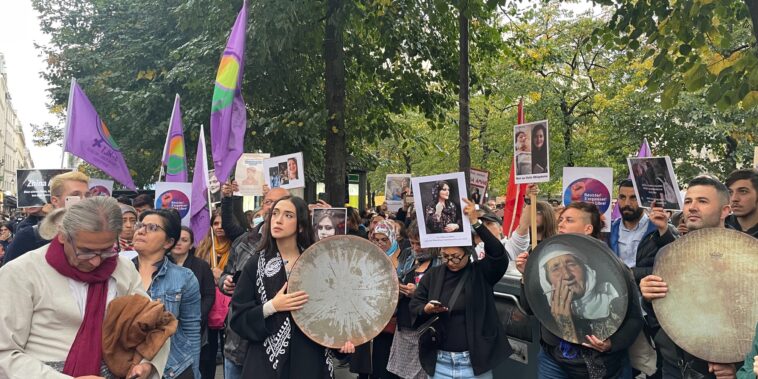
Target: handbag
[[219, 310], [428, 335], [642, 356]]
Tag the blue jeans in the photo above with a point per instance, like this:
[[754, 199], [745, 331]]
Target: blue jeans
[[548, 368], [232, 371], [452, 365]]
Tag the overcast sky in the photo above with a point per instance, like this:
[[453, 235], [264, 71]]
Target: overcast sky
[[19, 28]]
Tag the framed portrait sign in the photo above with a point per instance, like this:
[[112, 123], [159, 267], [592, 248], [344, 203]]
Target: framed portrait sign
[[531, 152], [654, 180], [577, 287], [175, 195], [591, 185], [285, 171], [249, 174], [100, 187], [329, 222], [439, 209], [397, 187], [478, 182], [33, 186]]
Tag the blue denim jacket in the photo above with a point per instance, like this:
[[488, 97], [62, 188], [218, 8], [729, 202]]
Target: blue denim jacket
[[177, 288]]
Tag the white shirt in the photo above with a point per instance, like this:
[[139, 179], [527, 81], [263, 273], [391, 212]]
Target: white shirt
[[629, 240]]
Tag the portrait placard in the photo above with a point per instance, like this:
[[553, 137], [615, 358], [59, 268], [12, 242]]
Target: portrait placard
[[100, 187], [439, 206], [655, 181], [592, 185], [249, 174], [396, 188], [577, 287], [478, 182], [531, 152], [33, 186], [175, 195], [285, 171], [329, 222]]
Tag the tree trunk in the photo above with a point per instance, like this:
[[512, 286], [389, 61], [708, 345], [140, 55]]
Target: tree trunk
[[752, 7], [408, 161], [464, 160], [335, 152], [568, 131]]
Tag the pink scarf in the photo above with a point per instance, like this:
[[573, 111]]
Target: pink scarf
[[86, 354]]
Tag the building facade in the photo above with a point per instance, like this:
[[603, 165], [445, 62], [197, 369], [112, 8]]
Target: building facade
[[13, 151]]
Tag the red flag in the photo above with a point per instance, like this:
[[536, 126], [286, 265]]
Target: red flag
[[514, 194]]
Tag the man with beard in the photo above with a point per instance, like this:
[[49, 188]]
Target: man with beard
[[743, 193], [635, 237], [706, 205]]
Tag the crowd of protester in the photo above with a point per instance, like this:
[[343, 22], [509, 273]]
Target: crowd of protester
[[226, 301]]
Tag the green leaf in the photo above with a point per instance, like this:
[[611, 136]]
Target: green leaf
[[696, 77], [670, 95]]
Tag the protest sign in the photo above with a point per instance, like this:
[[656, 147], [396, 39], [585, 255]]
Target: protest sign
[[33, 186], [531, 152], [175, 195], [478, 182], [100, 187], [397, 187], [329, 222], [591, 185], [654, 181], [249, 174], [285, 171], [439, 209]]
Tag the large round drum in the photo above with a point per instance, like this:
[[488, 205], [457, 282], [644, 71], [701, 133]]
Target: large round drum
[[711, 306], [352, 291], [576, 287]]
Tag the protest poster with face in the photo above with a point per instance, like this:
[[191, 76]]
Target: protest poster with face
[[249, 174], [478, 182], [329, 222], [100, 187], [439, 209], [591, 185], [175, 195], [397, 187], [285, 171], [33, 186], [655, 181], [531, 152]]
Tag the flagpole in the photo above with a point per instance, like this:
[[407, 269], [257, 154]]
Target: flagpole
[[68, 119]]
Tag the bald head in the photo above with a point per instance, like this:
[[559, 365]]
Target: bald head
[[272, 196]]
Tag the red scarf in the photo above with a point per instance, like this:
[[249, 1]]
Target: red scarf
[[86, 354]]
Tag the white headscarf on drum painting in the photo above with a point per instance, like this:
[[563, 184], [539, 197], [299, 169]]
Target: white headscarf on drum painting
[[596, 301]]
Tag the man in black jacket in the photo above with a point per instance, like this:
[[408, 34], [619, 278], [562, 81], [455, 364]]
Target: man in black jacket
[[706, 205], [636, 237], [72, 183], [743, 191]]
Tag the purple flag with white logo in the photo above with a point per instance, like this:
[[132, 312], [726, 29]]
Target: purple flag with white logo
[[174, 156], [200, 219], [228, 113], [643, 153], [88, 138]]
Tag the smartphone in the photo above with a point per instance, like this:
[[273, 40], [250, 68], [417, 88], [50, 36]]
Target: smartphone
[[236, 276], [71, 200], [435, 302]]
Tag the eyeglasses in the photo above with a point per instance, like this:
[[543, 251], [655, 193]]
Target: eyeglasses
[[451, 258], [86, 254], [152, 228]]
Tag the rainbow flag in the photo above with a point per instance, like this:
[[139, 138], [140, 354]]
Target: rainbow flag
[[174, 157], [228, 113]]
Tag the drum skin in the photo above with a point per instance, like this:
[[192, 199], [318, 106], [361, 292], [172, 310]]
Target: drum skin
[[711, 306], [352, 290]]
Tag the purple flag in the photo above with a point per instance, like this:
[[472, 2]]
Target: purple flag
[[200, 219], [644, 152], [174, 156], [88, 138], [228, 114]]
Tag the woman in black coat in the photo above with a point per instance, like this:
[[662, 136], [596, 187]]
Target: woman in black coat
[[184, 255], [470, 331]]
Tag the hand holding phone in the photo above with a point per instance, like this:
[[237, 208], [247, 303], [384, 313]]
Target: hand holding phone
[[435, 302], [236, 276]]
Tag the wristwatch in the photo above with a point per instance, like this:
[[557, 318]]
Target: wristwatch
[[477, 224]]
